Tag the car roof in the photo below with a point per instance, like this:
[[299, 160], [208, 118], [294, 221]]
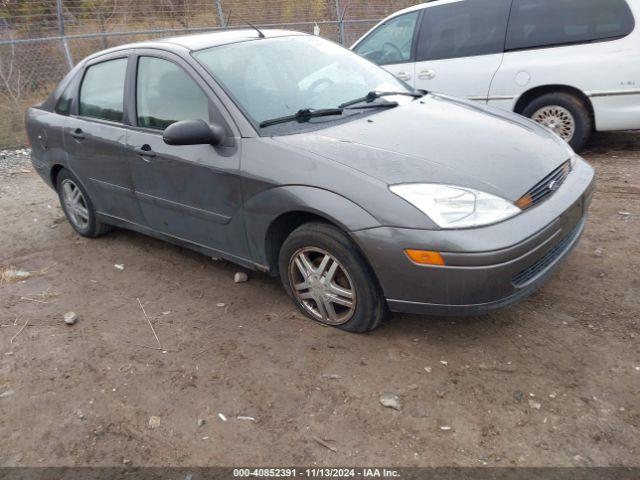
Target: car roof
[[199, 41], [214, 39], [420, 6]]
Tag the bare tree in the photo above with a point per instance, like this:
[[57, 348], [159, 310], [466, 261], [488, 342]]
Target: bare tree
[[179, 10], [11, 77]]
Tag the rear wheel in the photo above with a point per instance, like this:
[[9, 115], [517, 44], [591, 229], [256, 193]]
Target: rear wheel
[[329, 280], [565, 114], [78, 207]]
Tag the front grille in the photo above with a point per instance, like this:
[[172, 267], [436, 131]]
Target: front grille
[[546, 187], [552, 255]]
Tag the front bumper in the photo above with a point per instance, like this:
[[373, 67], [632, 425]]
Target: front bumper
[[486, 268]]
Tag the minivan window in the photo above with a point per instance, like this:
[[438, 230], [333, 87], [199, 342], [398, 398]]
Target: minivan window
[[539, 23], [391, 42], [102, 90], [463, 29], [166, 94]]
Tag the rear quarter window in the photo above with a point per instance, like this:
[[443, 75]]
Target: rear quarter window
[[543, 23], [63, 106]]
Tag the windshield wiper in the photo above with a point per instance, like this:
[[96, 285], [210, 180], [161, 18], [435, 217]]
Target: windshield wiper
[[371, 96], [303, 115], [375, 105]]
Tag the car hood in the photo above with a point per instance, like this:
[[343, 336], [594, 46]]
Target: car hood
[[441, 139]]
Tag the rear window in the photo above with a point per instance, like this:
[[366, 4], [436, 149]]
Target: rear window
[[102, 90], [540, 23]]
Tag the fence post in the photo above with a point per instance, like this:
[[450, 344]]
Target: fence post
[[220, 13], [63, 38], [339, 17]]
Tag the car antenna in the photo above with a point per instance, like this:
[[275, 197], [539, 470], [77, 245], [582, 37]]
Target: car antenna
[[226, 25], [260, 34]]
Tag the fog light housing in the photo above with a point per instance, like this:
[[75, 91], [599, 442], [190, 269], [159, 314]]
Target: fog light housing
[[425, 257]]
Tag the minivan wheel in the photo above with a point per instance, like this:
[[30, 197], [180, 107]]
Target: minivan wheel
[[77, 206], [329, 280], [565, 114]]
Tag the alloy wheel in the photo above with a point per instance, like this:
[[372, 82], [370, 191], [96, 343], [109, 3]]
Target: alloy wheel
[[75, 204], [322, 286], [558, 119]]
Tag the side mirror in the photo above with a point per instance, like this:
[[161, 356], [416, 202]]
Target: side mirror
[[194, 132]]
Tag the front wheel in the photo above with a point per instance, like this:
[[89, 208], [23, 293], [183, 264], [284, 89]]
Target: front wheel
[[564, 114], [329, 280]]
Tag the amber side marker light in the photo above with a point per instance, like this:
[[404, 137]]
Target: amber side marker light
[[525, 202], [425, 257]]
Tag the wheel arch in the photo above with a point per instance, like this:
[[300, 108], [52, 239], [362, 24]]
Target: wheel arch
[[272, 215], [530, 95], [282, 226], [53, 174]]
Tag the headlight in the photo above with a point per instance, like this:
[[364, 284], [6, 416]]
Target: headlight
[[456, 207]]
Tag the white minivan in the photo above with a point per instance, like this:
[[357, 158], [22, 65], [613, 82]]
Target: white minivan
[[572, 65]]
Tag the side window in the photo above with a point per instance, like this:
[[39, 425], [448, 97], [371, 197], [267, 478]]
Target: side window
[[463, 29], [391, 42], [63, 106], [166, 94], [539, 23], [102, 90]]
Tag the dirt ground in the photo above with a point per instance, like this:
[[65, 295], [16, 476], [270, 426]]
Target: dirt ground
[[552, 381]]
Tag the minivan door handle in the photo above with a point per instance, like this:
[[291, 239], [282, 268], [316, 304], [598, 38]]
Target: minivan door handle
[[404, 76], [427, 74], [78, 134], [145, 152]]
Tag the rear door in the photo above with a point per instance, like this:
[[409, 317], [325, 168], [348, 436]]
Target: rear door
[[192, 193], [584, 44], [460, 47], [95, 137], [391, 44]]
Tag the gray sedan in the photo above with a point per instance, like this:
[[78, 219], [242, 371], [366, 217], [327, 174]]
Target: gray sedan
[[288, 154]]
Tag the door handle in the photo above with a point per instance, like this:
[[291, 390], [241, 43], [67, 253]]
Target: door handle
[[427, 74], [145, 152], [404, 76], [78, 134]]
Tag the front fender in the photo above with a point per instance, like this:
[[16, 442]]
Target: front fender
[[264, 208]]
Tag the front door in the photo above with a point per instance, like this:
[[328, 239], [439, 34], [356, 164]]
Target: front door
[[95, 138], [191, 193], [460, 47], [391, 46]]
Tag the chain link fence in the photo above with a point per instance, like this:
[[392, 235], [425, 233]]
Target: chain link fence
[[40, 40]]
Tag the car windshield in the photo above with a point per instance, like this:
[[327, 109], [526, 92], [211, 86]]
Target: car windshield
[[277, 77]]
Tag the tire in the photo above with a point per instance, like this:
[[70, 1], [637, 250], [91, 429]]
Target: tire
[[85, 223], [563, 109], [351, 273]]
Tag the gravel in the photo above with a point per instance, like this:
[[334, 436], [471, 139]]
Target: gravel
[[11, 160]]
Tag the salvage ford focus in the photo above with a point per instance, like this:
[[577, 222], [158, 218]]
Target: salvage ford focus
[[288, 154]]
